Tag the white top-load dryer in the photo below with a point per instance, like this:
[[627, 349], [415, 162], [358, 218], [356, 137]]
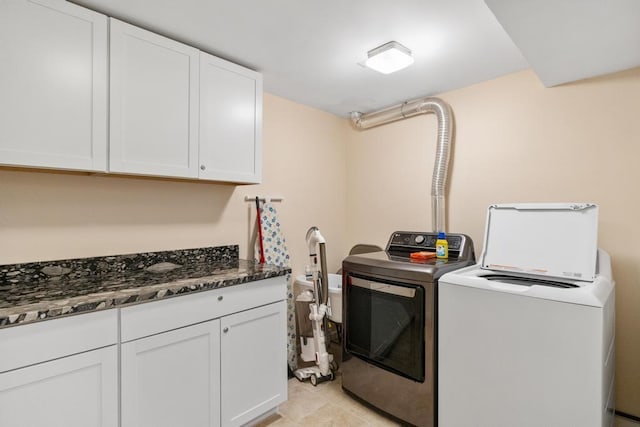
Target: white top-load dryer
[[526, 336]]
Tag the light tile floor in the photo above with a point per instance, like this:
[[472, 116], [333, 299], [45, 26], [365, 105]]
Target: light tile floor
[[625, 422], [323, 405], [327, 405]]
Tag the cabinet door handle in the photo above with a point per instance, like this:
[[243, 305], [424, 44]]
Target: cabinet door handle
[[225, 330], [202, 167], [220, 298]]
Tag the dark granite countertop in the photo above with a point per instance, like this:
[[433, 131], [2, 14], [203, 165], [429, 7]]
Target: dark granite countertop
[[43, 290]]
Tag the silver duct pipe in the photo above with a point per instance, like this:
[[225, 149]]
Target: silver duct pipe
[[441, 166]]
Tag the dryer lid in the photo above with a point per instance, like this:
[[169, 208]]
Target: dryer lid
[[546, 239]]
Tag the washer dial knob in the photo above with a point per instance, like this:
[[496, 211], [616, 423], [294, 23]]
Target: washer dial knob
[[419, 239]]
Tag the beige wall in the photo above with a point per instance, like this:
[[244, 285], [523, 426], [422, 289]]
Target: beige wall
[[49, 215], [517, 141]]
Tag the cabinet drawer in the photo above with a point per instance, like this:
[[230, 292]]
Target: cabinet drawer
[[25, 345], [159, 316]]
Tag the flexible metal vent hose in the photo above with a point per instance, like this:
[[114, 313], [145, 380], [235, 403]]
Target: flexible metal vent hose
[[445, 123]]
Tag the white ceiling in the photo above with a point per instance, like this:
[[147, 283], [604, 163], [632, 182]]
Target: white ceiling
[[568, 40], [310, 52]]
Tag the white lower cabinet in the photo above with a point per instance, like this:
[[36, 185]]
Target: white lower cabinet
[[208, 359], [173, 378], [216, 358], [253, 363], [74, 391], [62, 372]]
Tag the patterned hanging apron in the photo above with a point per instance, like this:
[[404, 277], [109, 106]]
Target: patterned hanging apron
[[275, 252]]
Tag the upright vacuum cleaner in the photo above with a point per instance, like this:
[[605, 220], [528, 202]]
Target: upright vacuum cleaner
[[323, 371]]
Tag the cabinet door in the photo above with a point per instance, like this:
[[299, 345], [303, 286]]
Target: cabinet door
[[154, 104], [74, 391], [53, 85], [173, 378], [253, 363], [230, 121]]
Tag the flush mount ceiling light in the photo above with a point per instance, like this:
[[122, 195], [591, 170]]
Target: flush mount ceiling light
[[389, 57]]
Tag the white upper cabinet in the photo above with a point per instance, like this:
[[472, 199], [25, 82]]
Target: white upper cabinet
[[168, 109], [154, 104], [53, 85], [230, 121]]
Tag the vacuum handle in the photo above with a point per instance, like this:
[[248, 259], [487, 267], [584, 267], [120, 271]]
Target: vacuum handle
[[325, 275]]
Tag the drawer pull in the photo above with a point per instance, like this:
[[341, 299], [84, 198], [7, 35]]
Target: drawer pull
[[220, 298], [225, 330]]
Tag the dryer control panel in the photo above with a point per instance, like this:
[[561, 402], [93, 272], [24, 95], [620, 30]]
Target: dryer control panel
[[411, 241]]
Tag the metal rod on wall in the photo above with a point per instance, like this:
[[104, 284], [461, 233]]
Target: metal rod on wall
[[263, 199]]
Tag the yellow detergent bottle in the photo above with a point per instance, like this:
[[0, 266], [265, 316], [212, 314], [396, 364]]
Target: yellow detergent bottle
[[442, 246]]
